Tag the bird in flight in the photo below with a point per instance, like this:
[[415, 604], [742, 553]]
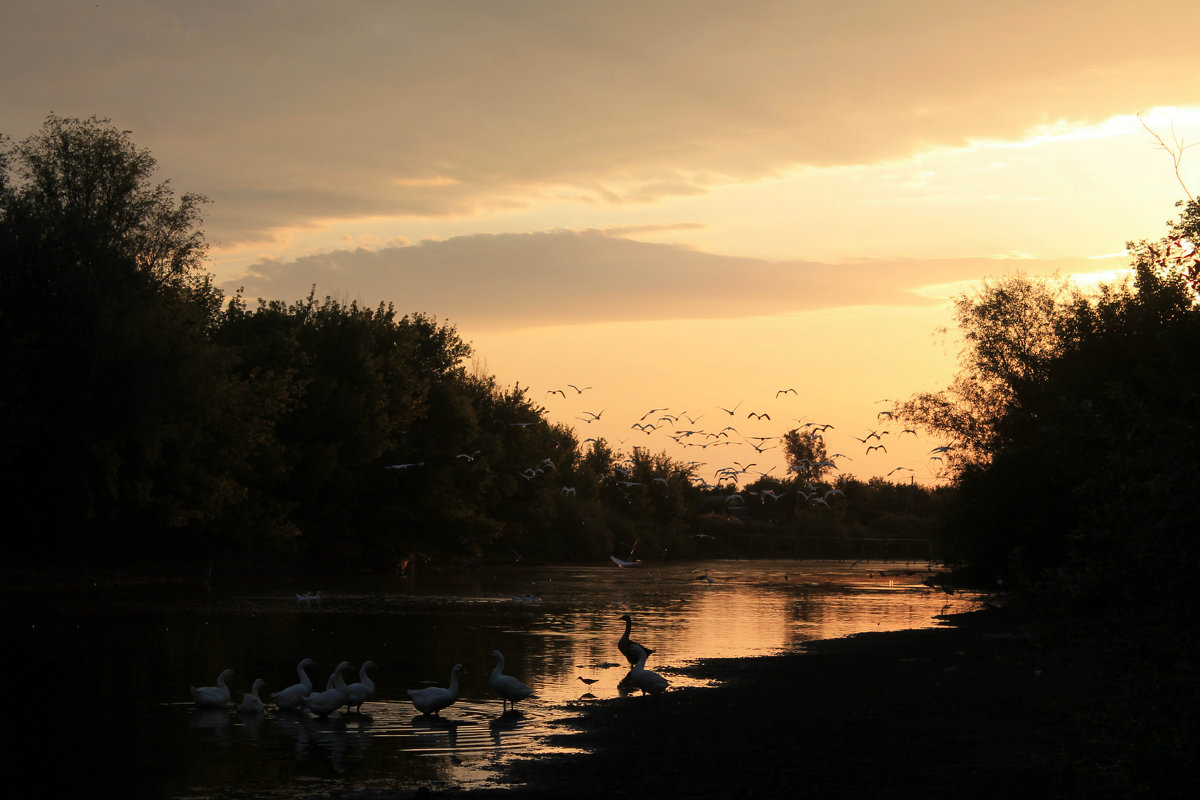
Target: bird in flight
[[730, 411], [786, 391], [577, 389]]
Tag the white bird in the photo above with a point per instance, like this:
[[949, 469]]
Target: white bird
[[620, 562], [213, 696], [629, 648], [509, 688], [646, 680], [251, 704], [434, 699], [290, 697], [330, 700], [361, 690]]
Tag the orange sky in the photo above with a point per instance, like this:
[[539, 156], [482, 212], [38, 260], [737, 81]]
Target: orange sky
[[680, 204]]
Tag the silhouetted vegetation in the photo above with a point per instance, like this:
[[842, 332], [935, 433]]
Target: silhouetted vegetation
[[1071, 427], [148, 418]]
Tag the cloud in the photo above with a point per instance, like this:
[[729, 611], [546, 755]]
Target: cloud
[[512, 281], [284, 113]]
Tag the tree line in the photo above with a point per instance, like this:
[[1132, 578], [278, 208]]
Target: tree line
[[1074, 420], [149, 417]]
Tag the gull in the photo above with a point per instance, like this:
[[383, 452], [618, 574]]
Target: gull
[[645, 428], [406, 466], [876, 447], [557, 391], [730, 411], [756, 415], [897, 469], [568, 490], [651, 411], [620, 562], [786, 391], [594, 415], [577, 389], [468, 457]]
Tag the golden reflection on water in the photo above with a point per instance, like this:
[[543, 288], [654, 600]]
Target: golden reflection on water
[[553, 624]]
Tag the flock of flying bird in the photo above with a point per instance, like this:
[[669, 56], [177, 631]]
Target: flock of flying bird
[[687, 432], [429, 701]]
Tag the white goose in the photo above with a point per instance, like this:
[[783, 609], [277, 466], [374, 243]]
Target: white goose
[[213, 696], [627, 647], [646, 680], [251, 704], [330, 700], [434, 699], [509, 688], [361, 690], [291, 697]]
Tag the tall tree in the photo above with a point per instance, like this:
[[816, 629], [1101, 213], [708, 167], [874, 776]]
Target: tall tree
[[114, 391]]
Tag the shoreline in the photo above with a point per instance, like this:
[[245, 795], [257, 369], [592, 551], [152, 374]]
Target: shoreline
[[978, 708]]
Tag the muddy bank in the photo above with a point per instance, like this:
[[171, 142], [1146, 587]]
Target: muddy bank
[[979, 709]]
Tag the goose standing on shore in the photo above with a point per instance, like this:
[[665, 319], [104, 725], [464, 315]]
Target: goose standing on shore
[[627, 647], [433, 699], [289, 698], [213, 696], [646, 680], [361, 690], [509, 688]]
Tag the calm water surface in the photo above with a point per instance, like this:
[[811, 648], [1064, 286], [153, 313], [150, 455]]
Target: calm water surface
[[107, 703]]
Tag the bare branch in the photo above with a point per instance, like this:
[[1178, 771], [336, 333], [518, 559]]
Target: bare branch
[[1176, 151]]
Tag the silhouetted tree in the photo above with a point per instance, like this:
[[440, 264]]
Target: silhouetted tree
[[116, 402]]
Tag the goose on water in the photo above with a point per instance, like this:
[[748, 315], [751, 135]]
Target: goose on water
[[434, 699], [251, 704], [361, 690], [290, 697], [646, 680], [626, 646], [213, 696], [330, 700], [509, 688]]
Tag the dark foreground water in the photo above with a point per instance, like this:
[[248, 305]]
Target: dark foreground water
[[100, 687]]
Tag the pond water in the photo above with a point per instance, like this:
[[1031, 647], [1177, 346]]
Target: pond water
[[103, 696]]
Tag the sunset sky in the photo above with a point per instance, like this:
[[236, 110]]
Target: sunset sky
[[682, 205]]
